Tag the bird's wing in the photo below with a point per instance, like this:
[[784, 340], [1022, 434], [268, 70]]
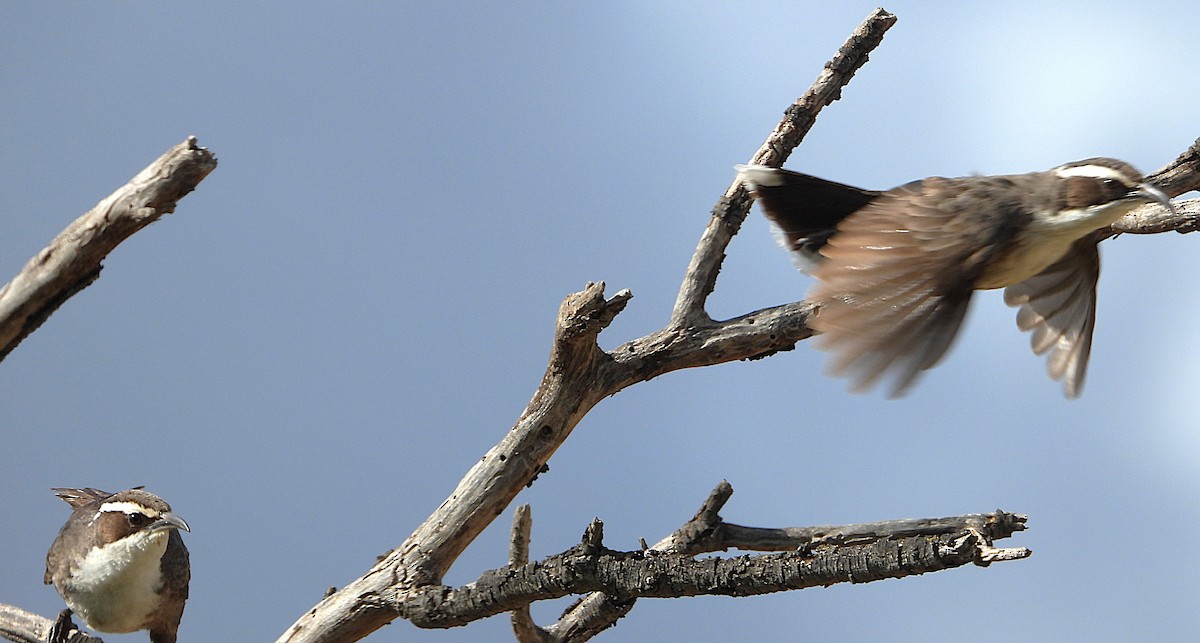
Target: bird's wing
[[1059, 306], [805, 210], [897, 280]]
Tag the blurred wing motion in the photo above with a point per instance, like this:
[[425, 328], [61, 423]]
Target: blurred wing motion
[[1059, 306], [894, 296]]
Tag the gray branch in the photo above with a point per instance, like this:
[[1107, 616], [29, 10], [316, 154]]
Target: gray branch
[[26, 627], [708, 532], [406, 583], [734, 205], [579, 375], [73, 259], [826, 555]]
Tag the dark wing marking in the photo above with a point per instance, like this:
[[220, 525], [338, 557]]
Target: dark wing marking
[[1059, 306], [805, 209]]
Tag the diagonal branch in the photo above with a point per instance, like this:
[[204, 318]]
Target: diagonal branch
[[73, 259], [579, 375], [732, 207], [406, 583], [708, 532], [26, 627]]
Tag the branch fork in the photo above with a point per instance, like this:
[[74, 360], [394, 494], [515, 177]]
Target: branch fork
[[406, 582]]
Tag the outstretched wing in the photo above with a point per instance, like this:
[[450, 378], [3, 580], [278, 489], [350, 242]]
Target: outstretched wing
[[1059, 306], [898, 276]]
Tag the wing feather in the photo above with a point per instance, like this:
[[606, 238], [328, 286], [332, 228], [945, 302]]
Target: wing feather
[[896, 283], [1059, 307]]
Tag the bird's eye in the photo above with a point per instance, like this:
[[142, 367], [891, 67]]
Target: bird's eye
[[1111, 183], [138, 519]]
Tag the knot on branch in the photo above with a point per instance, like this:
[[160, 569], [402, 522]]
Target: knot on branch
[[1001, 524], [593, 537], [584, 314]]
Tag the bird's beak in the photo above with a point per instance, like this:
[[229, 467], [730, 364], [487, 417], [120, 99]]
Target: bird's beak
[[1155, 195], [170, 521]]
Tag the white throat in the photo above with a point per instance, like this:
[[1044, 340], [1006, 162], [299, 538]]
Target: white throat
[[115, 587]]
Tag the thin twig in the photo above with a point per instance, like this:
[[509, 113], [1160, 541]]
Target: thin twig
[[525, 629], [732, 207]]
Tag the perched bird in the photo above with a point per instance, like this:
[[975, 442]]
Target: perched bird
[[120, 563], [896, 269]]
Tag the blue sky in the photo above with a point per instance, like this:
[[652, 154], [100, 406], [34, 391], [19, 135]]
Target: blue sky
[[306, 357]]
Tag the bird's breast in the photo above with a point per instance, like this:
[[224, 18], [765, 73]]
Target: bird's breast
[[1027, 257], [115, 588]]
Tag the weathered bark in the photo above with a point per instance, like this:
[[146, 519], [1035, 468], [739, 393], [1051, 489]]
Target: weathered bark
[[669, 566], [406, 583], [643, 574], [73, 259], [25, 627]]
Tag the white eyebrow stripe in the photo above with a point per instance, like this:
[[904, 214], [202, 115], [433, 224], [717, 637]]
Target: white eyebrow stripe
[[1092, 172], [129, 508]]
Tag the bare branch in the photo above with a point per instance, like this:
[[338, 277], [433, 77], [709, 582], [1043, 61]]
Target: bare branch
[[708, 532], [911, 549], [1177, 177], [524, 628], [1154, 219], [688, 538], [599, 611], [590, 616], [73, 259], [26, 627], [1181, 175], [731, 209], [406, 582]]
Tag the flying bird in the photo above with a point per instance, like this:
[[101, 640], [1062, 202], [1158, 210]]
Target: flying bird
[[120, 564], [895, 270]]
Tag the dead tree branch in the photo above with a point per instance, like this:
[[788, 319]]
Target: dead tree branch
[[732, 208], [25, 627], [73, 259], [406, 582], [708, 532], [524, 628], [1178, 177], [829, 555], [579, 375]]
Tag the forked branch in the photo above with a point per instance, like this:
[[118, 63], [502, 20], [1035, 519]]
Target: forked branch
[[818, 556], [580, 374]]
